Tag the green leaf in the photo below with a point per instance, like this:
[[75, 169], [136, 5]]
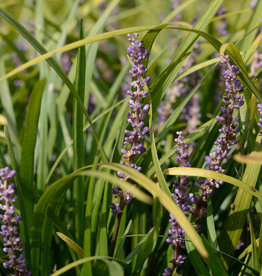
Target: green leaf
[[252, 158], [196, 259], [198, 67], [145, 250], [214, 261], [78, 140], [124, 185], [122, 242], [168, 75], [245, 184], [71, 244], [59, 158], [259, 244], [114, 268], [26, 173], [157, 213], [255, 256], [48, 55], [11, 152], [89, 259], [232, 50], [211, 230], [247, 250], [158, 170]]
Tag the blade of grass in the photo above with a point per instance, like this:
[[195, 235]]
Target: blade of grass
[[254, 256], [120, 243], [71, 244], [214, 261], [84, 260], [157, 167], [145, 250], [78, 141], [26, 173], [244, 185], [252, 158], [195, 258], [211, 230]]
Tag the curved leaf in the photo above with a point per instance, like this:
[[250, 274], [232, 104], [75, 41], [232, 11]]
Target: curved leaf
[[71, 244], [213, 175], [252, 158], [89, 259], [26, 172]]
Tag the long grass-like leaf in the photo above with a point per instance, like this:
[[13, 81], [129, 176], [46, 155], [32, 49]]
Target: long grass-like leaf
[[71, 243], [26, 173], [255, 256], [159, 172], [84, 260], [252, 158], [78, 138], [215, 175], [196, 259]]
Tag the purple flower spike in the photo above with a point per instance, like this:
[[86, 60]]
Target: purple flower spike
[[137, 112], [183, 200], [233, 100], [12, 245]]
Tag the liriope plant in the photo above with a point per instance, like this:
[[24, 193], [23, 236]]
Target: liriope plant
[[183, 150]]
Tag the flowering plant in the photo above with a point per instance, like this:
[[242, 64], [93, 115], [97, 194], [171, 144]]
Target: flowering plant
[[135, 137]]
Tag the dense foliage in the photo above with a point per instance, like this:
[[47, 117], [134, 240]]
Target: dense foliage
[[130, 137]]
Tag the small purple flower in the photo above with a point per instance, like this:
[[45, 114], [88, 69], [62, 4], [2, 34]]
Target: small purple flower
[[135, 135], [168, 272], [12, 244]]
